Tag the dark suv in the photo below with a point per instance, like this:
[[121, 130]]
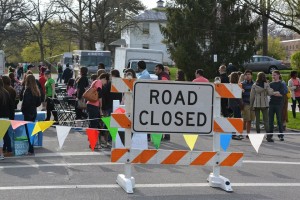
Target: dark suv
[[265, 64]]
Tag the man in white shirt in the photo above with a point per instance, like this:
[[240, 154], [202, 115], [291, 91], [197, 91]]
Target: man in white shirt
[[144, 72]]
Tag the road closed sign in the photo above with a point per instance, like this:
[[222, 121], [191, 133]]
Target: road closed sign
[[173, 107]]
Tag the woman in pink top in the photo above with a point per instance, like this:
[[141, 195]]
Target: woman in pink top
[[71, 90], [294, 86], [93, 108]]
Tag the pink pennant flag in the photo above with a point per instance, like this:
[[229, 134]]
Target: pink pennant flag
[[16, 124]]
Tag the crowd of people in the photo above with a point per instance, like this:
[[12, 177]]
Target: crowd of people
[[260, 96]]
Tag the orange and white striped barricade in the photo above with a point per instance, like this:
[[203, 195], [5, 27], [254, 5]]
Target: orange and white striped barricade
[[175, 107], [223, 125], [176, 157], [123, 120]]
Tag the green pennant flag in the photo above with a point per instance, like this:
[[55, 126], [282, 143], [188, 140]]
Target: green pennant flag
[[156, 139], [113, 131]]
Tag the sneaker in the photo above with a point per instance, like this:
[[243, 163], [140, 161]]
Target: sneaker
[[236, 137], [1, 157], [281, 139], [270, 140]]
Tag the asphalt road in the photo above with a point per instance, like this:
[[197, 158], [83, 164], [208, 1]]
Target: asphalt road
[[77, 173]]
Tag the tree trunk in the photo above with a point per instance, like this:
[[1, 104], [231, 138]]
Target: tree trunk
[[265, 21], [91, 39], [80, 23]]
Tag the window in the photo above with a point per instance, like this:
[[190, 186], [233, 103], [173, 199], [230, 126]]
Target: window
[[265, 59], [145, 46], [146, 28]]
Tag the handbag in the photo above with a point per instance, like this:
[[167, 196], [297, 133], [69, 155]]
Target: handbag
[[91, 94], [81, 103]]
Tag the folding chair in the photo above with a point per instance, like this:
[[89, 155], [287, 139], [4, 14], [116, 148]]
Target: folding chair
[[65, 116]]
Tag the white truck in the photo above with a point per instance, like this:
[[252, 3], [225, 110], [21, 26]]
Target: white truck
[[91, 60], [2, 62], [67, 57], [126, 58]]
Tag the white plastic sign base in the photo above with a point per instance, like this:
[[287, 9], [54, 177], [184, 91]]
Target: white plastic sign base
[[219, 182], [126, 183]]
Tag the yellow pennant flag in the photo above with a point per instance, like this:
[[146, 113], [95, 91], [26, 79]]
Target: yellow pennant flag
[[190, 140], [45, 124], [36, 129], [4, 125]]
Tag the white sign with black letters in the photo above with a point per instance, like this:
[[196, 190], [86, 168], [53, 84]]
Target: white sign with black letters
[[172, 107]]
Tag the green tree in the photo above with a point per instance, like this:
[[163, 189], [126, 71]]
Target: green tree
[[295, 60], [55, 43], [196, 30], [276, 50]]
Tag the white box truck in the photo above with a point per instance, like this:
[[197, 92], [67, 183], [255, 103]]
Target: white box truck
[[2, 62], [67, 57], [126, 58], [91, 59]]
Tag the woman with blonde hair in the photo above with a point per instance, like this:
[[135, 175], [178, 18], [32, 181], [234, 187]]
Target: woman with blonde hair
[[31, 100], [259, 101]]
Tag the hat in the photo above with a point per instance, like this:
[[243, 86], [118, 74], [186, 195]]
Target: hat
[[47, 72]]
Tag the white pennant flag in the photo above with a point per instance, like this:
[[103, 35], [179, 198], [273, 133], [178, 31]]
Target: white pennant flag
[[139, 141], [62, 133], [256, 140], [119, 143]]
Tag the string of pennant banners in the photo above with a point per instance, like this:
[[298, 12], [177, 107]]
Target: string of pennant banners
[[93, 134]]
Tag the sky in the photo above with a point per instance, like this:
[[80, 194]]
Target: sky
[[149, 3]]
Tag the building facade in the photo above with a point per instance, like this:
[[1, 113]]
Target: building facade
[[146, 32], [291, 46]]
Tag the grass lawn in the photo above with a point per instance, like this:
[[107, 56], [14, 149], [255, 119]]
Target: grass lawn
[[294, 123], [173, 72]]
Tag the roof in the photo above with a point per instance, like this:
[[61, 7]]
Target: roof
[[295, 40], [119, 42], [151, 15]]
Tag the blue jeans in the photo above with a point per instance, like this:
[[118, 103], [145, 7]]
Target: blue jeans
[[59, 78], [275, 109]]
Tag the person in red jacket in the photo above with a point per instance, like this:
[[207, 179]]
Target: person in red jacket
[[159, 71], [42, 81]]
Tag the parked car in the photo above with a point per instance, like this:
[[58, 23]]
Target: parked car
[[264, 63]]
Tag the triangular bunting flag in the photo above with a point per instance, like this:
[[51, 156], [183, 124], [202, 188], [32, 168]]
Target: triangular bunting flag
[[113, 131], [139, 141], [119, 143], [256, 140], [62, 133], [119, 110], [36, 129], [16, 124], [225, 141], [4, 125], [93, 135], [45, 125], [190, 140], [156, 139], [30, 126]]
